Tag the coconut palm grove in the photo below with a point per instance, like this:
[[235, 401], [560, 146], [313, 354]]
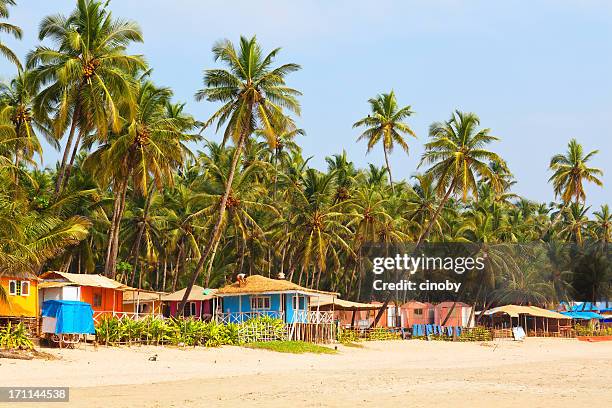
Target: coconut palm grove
[[142, 194]]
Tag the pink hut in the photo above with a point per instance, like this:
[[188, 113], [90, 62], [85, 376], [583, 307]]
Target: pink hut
[[414, 312], [199, 304], [460, 314]]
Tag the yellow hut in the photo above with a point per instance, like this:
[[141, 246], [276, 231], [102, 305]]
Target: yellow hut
[[21, 302]]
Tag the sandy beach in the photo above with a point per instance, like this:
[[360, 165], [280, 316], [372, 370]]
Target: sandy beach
[[536, 373]]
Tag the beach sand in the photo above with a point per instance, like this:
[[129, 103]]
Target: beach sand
[[535, 373]]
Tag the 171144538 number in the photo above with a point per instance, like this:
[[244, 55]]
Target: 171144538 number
[[48, 394]]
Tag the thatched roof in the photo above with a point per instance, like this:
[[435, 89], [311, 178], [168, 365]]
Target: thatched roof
[[57, 279], [197, 293], [260, 284]]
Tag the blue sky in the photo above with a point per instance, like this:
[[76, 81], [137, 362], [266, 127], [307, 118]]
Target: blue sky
[[537, 73]]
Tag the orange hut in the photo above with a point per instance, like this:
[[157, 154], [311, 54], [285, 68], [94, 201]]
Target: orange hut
[[414, 312], [460, 314], [103, 294]]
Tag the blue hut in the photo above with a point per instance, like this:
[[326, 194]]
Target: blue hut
[[257, 295]]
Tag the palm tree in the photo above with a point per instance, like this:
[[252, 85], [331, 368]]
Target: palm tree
[[385, 124], [570, 172], [85, 74], [316, 232], [458, 159], [150, 145], [9, 29], [253, 96], [602, 225], [574, 223], [17, 117]]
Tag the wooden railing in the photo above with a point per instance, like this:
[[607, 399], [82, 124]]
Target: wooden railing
[[312, 316], [240, 317], [97, 316]]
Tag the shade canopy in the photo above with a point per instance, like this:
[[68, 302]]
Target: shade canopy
[[340, 304], [583, 315], [516, 310]]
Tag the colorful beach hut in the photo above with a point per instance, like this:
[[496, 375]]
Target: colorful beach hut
[[415, 312], [348, 314], [21, 303], [105, 295], [257, 295], [143, 302], [453, 314], [199, 305]]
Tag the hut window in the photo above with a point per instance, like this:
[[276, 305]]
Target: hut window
[[13, 288], [418, 312], [190, 309], [260, 303], [25, 288], [299, 302], [97, 299]]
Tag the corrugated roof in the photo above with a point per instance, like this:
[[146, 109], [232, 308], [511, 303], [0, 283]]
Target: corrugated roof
[[197, 293], [96, 281], [261, 284]]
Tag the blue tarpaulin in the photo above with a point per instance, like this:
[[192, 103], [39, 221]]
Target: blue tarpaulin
[[583, 315], [73, 317]]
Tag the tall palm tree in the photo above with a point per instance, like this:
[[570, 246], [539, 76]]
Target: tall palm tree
[[384, 123], [570, 171], [253, 94], [150, 145], [86, 73], [458, 158], [9, 29]]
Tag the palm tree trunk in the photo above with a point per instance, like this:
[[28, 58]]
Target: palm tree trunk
[[62, 169], [113, 246], [18, 158], [216, 232], [431, 223], [389, 169], [68, 169], [142, 229], [164, 276]]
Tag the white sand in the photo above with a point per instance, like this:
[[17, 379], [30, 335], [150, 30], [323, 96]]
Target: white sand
[[536, 373]]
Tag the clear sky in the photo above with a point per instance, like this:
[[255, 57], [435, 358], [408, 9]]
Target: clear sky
[[536, 72]]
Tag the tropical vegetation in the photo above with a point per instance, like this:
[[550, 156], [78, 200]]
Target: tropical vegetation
[[139, 195]]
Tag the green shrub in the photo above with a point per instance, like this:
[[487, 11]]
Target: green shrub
[[380, 333], [15, 337], [348, 336], [261, 328], [188, 332], [476, 334]]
